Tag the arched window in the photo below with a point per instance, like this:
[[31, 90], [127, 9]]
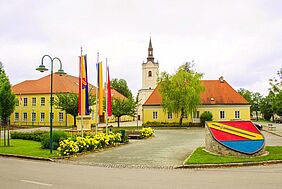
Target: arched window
[[150, 73]]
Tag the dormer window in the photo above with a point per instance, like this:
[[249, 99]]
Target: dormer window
[[150, 73]]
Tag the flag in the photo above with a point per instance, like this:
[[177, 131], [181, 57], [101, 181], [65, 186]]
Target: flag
[[100, 88], [83, 99], [109, 103]]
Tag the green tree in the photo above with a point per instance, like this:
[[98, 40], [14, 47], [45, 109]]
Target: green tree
[[181, 92], [69, 103], [120, 85], [266, 107], [121, 107], [7, 100]]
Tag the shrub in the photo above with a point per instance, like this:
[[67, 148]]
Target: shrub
[[57, 137], [79, 144], [35, 136], [206, 116], [147, 132], [164, 124]]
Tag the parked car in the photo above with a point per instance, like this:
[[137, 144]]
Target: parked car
[[259, 126], [278, 120]]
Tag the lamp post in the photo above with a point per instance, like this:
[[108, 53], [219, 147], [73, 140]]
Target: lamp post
[[42, 68]]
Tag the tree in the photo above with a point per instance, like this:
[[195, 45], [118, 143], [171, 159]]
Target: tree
[[253, 98], [205, 116], [181, 92], [7, 100], [120, 85], [266, 107], [69, 103], [121, 107]]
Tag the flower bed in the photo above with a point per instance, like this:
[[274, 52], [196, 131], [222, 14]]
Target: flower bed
[[146, 132], [78, 144]]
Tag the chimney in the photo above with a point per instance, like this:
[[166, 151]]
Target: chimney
[[221, 79]]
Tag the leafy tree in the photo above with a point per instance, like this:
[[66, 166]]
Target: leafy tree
[[120, 85], [121, 107], [266, 107], [7, 100], [69, 103], [181, 92], [253, 98]]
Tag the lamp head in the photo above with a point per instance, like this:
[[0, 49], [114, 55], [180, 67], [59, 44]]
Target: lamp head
[[41, 68], [61, 72]]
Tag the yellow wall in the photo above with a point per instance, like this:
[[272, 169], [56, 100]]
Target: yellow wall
[[229, 110], [67, 119]]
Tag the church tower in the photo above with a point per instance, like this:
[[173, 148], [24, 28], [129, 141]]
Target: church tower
[[150, 72]]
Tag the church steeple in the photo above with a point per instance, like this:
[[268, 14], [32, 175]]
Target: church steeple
[[150, 52]]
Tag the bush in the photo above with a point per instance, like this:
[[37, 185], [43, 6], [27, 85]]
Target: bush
[[147, 132], [79, 144], [267, 116], [57, 137], [206, 116], [35, 136], [164, 124]]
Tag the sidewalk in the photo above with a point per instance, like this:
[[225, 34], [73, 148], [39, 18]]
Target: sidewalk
[[277, 128]]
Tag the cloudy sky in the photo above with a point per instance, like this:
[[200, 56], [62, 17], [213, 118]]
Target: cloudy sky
[[240, 40]]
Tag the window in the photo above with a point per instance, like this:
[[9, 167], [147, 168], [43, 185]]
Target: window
[[169, 115], [42, 116], [25, 116], [33, 116], [42, 101], [197, 114], [17, 102], [16, 116], [184, 115], [150, 73], [155, 115], [52, 101], [61, 116], [52, 116], [33, 101], [222, 114], [25, 101], [237, 114]]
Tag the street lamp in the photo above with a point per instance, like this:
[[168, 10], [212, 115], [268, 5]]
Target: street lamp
[[42, 68]]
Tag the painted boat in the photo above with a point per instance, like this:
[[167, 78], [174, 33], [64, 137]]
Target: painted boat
[[241, 136]]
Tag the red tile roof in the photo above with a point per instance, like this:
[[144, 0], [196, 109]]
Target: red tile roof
[[61, 84], [216, 92]]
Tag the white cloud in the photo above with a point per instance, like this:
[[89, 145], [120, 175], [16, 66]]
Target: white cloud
[[240, 40]]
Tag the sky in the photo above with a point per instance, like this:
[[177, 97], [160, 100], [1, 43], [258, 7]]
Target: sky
[[240, 40]]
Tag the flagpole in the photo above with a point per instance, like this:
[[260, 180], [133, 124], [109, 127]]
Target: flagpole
[[81, 92], [97, 107], [107, 96]]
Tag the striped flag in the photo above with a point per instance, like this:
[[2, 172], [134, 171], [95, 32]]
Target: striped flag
[[100, 88], [109, 99], [83, 99]]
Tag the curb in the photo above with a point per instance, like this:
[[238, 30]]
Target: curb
[[272, 133], [203, 166], [27, 157]]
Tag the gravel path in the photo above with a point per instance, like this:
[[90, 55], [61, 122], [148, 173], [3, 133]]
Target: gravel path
[[169, 148]]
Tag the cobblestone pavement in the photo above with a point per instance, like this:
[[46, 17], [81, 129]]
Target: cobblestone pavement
[[168, 148]]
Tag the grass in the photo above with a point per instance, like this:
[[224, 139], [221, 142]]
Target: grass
[[26, 147], [200, 156]]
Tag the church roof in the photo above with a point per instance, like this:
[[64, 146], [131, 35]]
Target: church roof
[[216, 93], [61, 84]]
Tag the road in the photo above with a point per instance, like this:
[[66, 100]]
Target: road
[[28, 174]]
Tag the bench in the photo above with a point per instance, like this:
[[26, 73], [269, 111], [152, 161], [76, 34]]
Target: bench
[[271, 127]]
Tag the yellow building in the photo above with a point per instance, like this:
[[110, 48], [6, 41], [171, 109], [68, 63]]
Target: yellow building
[[33, 106], [219, 98]]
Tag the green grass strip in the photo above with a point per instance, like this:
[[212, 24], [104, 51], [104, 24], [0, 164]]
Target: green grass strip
[[27, 148], [200, 156]]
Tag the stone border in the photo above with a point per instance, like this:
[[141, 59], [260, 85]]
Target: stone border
[[27, 157], [227, 165]]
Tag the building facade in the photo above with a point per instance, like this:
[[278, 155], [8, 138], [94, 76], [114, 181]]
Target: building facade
[[33, 105]]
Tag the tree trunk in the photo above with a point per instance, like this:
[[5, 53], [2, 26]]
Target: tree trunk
[[74, 120], [257, 114], [181, 117], [118, 120]]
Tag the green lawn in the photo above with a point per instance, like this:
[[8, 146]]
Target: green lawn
[[202, 157], [26, 147]]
